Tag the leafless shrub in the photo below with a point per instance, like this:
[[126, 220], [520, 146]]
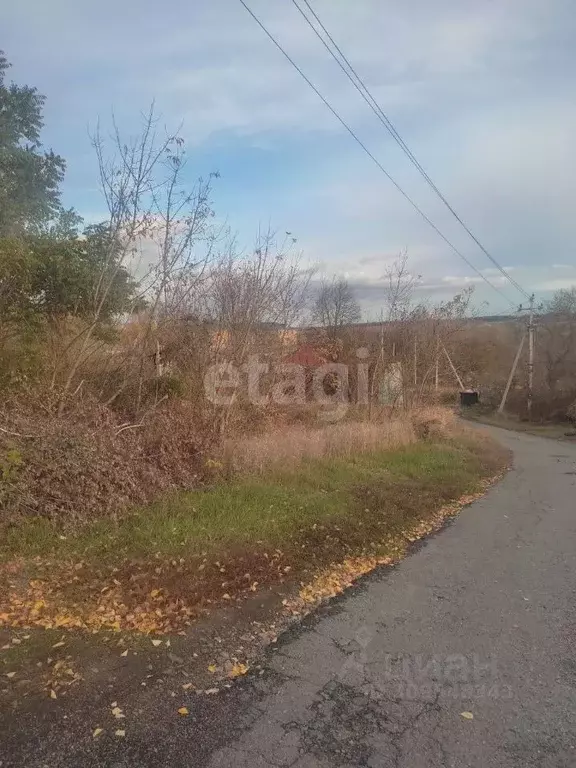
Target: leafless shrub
[[89, 464], [433, 421]]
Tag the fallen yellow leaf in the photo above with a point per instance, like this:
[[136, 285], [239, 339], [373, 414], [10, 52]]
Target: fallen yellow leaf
[[53, 694], [119, 732], [97, 732], [467, 715], [212, 668], [183, 711], [124, 653], [10, 674], [156, 643], [237, 670]]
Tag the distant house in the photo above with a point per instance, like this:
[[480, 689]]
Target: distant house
[[306, 356], [310, 359]]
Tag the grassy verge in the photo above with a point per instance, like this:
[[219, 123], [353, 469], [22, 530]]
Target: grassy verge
[[506, 421], [156, 570]]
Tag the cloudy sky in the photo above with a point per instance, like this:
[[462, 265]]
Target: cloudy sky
[[483, 92]]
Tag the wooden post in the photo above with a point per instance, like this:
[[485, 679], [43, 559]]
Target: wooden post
[[530, 392], [454, 371], [376, 371], [512, 372]]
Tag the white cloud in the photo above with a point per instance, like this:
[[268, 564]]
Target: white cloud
[[558, 284], [211, 61], [238, 81], [478, 90]]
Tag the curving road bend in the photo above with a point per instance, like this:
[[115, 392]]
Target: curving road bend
[[463, 655]]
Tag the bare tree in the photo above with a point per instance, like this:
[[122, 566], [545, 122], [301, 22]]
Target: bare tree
[[248, 302], [557, 337], [397, 325], [157, 229], [399, 291], [182, 231], [127, 181], [266, 285], [414, 336], [336, 306]]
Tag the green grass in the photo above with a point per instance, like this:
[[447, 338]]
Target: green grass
[[164, 563], [265, 510]]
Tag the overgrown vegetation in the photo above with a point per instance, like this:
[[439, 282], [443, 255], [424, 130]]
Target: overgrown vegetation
[[147, 475], [155, 569], [108, 333], [156, 459]]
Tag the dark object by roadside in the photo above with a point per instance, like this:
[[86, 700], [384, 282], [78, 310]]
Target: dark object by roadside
[[469, 397]]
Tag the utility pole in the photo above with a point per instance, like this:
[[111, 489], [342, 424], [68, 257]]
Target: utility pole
[[437, 367], [530, 357], [379, 363], [512, 372], [454, 371]]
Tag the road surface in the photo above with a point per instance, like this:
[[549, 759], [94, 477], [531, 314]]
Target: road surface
[[462, 655], [481, 620]]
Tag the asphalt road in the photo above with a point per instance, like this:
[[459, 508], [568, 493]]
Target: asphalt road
[[462, 655], [480, 620]]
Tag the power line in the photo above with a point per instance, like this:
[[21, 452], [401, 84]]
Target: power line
[[360, 86], [373, 104], [370, 155]]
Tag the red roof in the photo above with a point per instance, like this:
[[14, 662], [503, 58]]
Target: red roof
[[306, 356]]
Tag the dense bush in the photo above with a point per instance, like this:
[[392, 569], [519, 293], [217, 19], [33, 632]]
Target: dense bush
[[86, 464]]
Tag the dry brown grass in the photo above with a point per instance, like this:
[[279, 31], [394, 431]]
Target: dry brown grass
[[434, 421], [86, 464], [294, 444]]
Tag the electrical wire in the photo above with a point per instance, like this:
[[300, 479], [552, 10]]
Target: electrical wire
[[371, 156], [361, 87]]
